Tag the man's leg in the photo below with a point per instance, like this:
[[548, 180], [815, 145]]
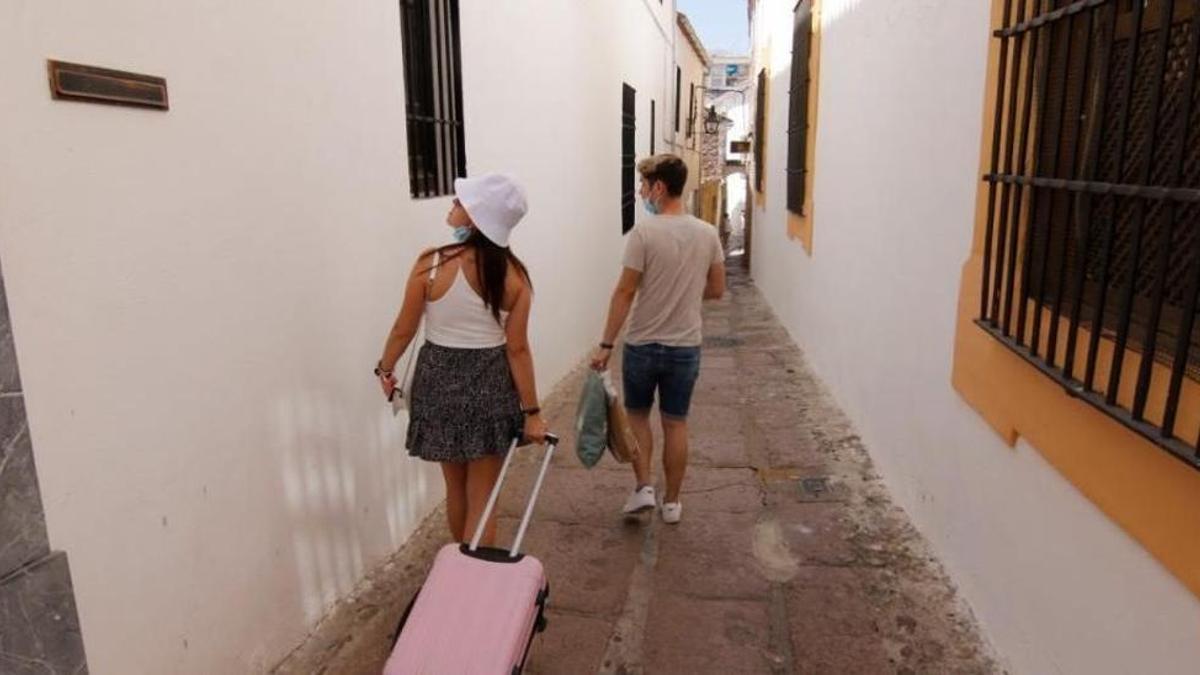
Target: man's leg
[[676, 387], [639, 380], [675, 455], [639, 420], [642, 498]]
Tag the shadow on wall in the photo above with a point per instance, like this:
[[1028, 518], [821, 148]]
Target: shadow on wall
[[333, 483]]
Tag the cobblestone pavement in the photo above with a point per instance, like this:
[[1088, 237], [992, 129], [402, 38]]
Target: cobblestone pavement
[[791, 557]]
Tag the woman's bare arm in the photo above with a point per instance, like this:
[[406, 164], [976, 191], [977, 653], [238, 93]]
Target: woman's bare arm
[[409, 318], [520, 360]]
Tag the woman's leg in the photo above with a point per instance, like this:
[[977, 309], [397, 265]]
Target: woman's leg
[[455, 474], [481, 478]]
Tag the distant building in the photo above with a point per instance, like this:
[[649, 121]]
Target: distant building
[[729, 71], [685, 130]]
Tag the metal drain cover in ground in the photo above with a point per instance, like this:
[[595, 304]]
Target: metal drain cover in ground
[[814, 487]]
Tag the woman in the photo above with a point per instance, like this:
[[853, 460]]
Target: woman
[[473, 388]]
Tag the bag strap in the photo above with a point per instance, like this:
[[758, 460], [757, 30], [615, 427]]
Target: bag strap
[[437, 262]]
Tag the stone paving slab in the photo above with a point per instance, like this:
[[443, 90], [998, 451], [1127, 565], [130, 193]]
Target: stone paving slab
[[572, 643], [601, 558], [792, 448], [694, 635], [712, 557], [791, 557], [570, 495], [708, 490], [817, 533]]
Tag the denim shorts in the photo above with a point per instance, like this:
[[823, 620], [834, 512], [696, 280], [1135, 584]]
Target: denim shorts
[[670, 370]]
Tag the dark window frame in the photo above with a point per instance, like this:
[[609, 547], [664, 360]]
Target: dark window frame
[[760, 114], [628, 156], [691, 123], [1093, 203], [678, 95], [653, 122], [798, 96], [433, 96]]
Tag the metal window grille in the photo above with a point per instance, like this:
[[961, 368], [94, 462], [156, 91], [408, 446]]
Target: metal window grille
[[691, 122], [678, 94], [760, 114], [433, 95], [797, 157], [1094, 203], [652, 126], [628, 152]]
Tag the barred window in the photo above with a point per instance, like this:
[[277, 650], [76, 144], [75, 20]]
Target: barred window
[[678, 94], [797, 158], [691, 121], [433, 95], [760, 128], [652, 122], [1092, 254], [628, 153]]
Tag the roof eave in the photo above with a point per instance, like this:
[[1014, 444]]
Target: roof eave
[[690, 33]]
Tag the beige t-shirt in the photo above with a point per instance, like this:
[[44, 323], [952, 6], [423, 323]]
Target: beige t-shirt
[[674, 254]]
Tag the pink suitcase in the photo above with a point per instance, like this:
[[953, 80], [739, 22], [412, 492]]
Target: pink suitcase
[[479, 608]]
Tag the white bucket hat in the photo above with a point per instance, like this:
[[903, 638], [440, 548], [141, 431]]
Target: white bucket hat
[[495, 203]]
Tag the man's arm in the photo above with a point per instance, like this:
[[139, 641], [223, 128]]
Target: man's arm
[[618, 311], [622, 301], [714, 287]]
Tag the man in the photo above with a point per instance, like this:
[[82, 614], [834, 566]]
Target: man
[[673, 261]]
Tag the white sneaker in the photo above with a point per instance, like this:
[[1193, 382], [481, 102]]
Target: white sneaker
[[640, 501], [672, 512]]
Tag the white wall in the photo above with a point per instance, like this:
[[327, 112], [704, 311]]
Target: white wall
[[635, 45], [1058, 587], [198, 296], [735, 205], [739, 109], [643, 44], [692, 73]]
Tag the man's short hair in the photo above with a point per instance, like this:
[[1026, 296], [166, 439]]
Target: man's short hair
[[666, 168]]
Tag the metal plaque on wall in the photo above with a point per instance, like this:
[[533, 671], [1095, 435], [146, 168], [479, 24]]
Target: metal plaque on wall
[[75, 82]]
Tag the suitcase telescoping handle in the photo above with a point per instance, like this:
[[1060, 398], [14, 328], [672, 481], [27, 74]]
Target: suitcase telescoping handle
[[551, 444]]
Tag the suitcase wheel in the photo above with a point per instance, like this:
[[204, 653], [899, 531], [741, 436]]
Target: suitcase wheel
[[540, 626]]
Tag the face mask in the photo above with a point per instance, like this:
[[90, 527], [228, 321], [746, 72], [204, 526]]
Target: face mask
[[650, 206], [461, 233]]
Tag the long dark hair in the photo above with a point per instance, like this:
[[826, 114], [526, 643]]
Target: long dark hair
[[491, 266]]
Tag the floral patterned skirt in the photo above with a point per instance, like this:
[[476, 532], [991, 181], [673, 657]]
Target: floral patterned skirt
[[463, 405]]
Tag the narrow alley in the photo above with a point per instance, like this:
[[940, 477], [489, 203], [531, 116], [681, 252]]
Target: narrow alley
[[948, 417], [791, 557]]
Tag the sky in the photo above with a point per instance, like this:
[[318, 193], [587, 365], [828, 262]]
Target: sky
[[720, 23]]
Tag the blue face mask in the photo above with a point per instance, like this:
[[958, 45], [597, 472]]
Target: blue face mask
[[461, 233], [650, 206]]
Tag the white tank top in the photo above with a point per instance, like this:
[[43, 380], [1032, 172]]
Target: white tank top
[[460, 319]]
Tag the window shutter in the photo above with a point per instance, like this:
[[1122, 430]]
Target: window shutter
[[628, 153], [797, 157]]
